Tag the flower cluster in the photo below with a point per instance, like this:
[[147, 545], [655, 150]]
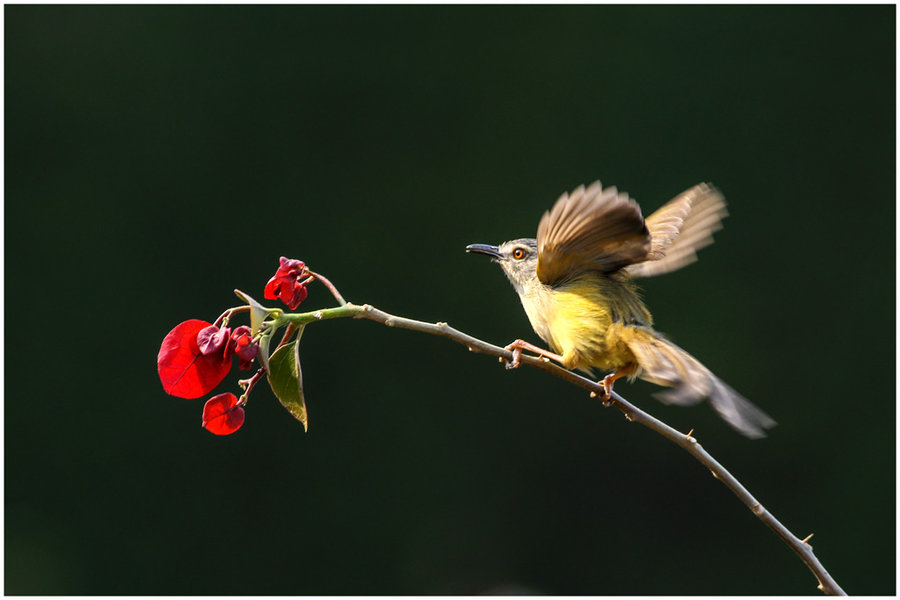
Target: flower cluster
[[212, 339], [289, 283], [197, 355]]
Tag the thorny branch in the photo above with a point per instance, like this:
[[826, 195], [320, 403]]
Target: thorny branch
[[826, 583]]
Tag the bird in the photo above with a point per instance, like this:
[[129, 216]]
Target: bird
[[576, 282]]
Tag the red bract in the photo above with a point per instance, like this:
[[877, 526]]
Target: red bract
[[212, 339], [222, 415], [286, 283], [243, 347], [183, 370]]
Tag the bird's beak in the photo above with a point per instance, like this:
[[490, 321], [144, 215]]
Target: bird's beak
[[492, 251]]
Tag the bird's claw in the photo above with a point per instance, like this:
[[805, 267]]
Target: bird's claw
[[606, 399], [607, 383], [516, 357]]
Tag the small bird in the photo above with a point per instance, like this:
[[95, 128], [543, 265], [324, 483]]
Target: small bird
[[576, 284]]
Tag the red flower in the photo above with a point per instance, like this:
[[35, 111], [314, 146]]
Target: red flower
[[286, 283], [243, 346], [183, 369], [222, 415]]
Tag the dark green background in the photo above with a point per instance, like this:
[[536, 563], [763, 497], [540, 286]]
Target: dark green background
[[158, 157]]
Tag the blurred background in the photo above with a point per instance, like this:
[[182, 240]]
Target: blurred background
[[158, 157]]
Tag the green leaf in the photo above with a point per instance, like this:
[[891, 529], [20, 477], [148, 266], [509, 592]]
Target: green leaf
[[258, 312], [286, 379]]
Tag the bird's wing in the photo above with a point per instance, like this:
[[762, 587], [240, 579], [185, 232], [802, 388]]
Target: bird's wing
[[679, 228], [591, 229]]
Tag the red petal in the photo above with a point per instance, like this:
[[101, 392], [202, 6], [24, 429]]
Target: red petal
[[239, 331], [183, 370], [290, 267], [273, 288], [298, 295], [244, 349], [211, 339], [221, 415]]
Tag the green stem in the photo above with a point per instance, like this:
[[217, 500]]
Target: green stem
[[338, 312]]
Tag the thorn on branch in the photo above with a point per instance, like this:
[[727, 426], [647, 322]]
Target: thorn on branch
[[806, 539]]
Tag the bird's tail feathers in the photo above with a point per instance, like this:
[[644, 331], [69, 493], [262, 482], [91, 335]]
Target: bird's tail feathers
[[663, 363]]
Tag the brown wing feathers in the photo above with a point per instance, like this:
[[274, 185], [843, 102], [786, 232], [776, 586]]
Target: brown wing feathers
[[680, 228], [596, 229], [590, 229]]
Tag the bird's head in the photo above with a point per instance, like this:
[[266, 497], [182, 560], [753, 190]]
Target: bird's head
[[517, 258]]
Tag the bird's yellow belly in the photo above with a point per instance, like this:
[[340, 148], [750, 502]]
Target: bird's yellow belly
[[577, 323]]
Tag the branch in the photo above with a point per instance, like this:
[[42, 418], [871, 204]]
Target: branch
[[330, 286], [826, 583]]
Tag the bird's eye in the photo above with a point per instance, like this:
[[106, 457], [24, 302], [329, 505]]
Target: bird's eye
[[518, 254]]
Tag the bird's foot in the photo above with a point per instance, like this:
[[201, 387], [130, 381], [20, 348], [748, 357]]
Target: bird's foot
[[516, 355], [516, 348], [607, 383]]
